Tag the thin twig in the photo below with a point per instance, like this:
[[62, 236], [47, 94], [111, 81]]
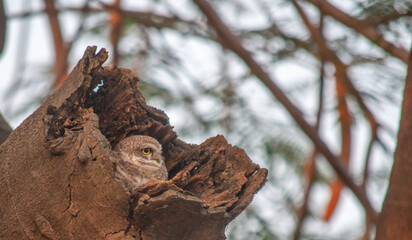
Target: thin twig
[[335, 185], [368, 156], [147, 19], [303, 211], [310, 172], [18, 80], [3, 24]]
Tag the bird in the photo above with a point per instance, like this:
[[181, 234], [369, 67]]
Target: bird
[[140, 161]]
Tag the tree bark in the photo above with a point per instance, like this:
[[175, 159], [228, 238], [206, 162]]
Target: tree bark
[[395, 220], [57, 168]]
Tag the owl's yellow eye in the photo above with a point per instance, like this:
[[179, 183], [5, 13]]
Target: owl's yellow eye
[[146, 151]]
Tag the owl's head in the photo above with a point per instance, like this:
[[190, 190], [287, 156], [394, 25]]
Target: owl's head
[[141, 148]]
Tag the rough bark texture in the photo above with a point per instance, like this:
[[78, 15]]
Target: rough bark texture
[[395, 220], [57, 168]]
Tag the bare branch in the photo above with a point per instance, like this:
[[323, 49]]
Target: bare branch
[[368, 156], [310, 168], [3, 21], [60, 66], [5, 129], [115, 25], [148, 19], [376, 20]]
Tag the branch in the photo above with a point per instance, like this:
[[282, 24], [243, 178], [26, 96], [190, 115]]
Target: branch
[[362, 27], [148, 19], [60, 66], [302, 212], [115, 28], [377, 20], [233, 43], [3, 21], [5, 129], [368, 224], [373, 139], [310, 167]]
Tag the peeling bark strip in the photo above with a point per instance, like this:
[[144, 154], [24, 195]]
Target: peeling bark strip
[[57, 168]]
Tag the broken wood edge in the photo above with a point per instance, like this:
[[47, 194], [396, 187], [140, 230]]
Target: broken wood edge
[[73, 91], [191, 218]]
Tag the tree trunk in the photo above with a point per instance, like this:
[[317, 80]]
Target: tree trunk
[[57, 168], [395, 220]]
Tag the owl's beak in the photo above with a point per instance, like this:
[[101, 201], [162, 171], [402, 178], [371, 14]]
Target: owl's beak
[[159, 160]]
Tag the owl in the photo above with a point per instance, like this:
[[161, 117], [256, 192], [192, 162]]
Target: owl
[[140, 161]]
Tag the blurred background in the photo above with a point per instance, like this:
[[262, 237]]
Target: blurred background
[[340, 63]]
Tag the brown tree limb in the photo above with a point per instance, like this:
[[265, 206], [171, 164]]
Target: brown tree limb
[[362, 27], [61, 51], [310, 168], [115, 25], [148, 19], [5, 129], [336, 185], [377, 20], [3, 21], [372, 141], [395, 220], [233, 43], [310, 171]]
